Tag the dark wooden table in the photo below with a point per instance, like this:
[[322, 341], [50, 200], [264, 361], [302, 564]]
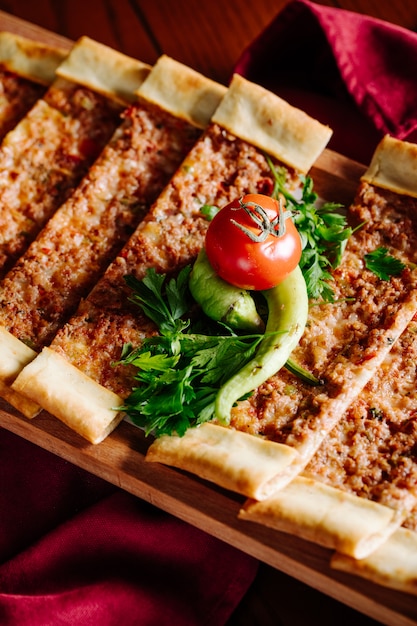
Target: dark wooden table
[[208, 35]]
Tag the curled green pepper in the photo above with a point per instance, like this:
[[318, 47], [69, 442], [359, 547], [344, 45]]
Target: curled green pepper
[[287, 317], [222, 301]]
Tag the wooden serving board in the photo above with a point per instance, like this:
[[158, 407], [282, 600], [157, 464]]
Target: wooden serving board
[[120, 458]]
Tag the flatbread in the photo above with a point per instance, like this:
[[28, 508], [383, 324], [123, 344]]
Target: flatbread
[[44, 158], [344, 344], [104, 70], [89, 404], [369, 457], [46, 155], [169, 237]]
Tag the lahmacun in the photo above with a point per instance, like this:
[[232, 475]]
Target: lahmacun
[[90, 228], [295, 451]]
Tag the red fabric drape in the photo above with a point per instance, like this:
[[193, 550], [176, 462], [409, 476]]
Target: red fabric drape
[[353, 72]]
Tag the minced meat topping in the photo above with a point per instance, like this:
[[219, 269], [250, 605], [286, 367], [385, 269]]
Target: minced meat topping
[[85, 234], [219, 168], [44, 157], [17, 96], [372, 450]]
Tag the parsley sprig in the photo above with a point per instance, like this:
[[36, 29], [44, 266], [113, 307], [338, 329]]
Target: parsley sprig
[[323, 230], [383, 264], [179, 371]]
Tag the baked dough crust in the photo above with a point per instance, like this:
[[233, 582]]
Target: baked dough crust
[[14, 355], [104, 70], [393, 564], [191, 91], [327, 516], [181, 451], [182, 91], [305, 507], [93, 408], [232, 459], [30, 59], [262, 118], [394, 166]]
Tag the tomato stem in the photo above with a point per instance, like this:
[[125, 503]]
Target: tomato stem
[[276, 227]]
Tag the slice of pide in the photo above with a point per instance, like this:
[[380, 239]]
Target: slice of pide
[[343, 345], [393, 167], [45, 156], [220, 167], [325, 515], [366, 466], [27, 68], [247, 462], [368, 459], [91, 406], [89, 229]]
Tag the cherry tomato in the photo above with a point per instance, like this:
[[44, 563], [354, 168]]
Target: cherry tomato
[[252, 242]]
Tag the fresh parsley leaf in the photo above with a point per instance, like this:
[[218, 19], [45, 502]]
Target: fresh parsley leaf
[[323, 230], [178, 372], [167, 311], [383, 264]]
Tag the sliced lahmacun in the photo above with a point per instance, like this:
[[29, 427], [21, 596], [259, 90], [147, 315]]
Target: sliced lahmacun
[[367, 464], [168, 238], [89, 229], [44, 157], [343, 345]]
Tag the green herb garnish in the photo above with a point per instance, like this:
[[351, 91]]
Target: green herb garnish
[[323, 230], [179, 371], [383, 264]]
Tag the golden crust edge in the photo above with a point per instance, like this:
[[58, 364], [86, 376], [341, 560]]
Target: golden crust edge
[[232, 459], [265, 120], [394, 166], [327, 516], [182, 91], [104, 70], [15, 355], [393, 564], [71, 396], [30, 59]]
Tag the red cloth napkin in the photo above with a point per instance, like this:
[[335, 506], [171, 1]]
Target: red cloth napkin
[[76, 551], [351, 71]]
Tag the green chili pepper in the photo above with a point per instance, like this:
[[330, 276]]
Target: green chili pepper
[[222, 301], [287, 317]]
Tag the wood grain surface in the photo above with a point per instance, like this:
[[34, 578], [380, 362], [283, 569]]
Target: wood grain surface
[[210, 36]]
